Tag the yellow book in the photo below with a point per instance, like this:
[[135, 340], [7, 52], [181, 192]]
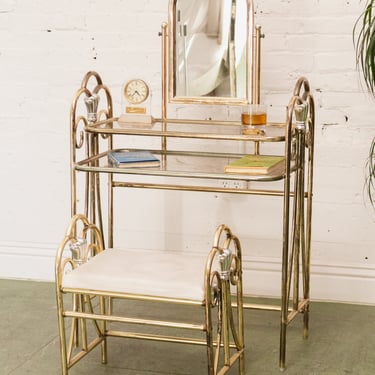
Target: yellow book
[[255, 164]]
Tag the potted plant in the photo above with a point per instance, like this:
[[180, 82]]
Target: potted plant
[[364, 42]]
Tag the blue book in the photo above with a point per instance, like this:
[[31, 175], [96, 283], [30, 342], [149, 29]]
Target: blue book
[[133, 159]]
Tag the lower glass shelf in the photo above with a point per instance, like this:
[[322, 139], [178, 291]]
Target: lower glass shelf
[[193, 165]]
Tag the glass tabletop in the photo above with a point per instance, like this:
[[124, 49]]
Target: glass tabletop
[[180, 164], [225, 130]]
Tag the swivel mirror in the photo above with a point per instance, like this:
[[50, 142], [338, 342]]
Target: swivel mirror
[[210, 51]]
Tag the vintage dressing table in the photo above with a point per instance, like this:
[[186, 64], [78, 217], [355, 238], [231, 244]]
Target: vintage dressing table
[[230, 77]]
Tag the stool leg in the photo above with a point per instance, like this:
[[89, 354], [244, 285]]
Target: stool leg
[[282, 346], [103, 332], [209, 341], [61, 322]]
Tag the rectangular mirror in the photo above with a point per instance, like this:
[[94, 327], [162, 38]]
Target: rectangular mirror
[[210, 51]]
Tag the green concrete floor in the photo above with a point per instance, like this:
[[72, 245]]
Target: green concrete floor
[[342, 341]]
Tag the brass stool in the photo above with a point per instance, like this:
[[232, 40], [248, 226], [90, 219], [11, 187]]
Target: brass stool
[[94, 278]]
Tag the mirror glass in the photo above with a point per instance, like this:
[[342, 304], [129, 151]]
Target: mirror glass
[[210, 50]]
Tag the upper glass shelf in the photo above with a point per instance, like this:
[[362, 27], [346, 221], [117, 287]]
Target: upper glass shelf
[[225, 130]]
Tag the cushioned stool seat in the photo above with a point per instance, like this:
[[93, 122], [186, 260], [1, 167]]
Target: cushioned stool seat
[[144, 272]]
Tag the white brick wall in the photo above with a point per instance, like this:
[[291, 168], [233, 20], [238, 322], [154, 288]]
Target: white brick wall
[[47, 46], [316, 41]]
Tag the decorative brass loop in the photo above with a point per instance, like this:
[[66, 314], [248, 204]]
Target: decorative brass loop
[[87, 229], [308, 136], [294, 149], [62, 268], [79, 136], [103, 115], [66, 262], [97, 90], [310, 122], [302, 83], [235, 270], [89, 75], [92, 250], [215, 288], [218, 239]]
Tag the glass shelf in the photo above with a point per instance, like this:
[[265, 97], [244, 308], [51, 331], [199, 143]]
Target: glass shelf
[[198, 165], [223, 130]]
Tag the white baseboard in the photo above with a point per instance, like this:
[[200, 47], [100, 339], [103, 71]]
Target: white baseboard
[[334, 282], [31, 261]]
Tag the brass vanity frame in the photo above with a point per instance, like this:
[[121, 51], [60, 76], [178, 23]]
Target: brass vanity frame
[[297, 133]]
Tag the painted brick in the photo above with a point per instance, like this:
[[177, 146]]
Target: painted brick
[[46, 47]]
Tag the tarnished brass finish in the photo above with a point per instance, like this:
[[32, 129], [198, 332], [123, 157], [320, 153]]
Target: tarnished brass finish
[[164, 70], [81, 140], [92, 234], [297, 133], [297, 219], [257, 64], [224, 344]]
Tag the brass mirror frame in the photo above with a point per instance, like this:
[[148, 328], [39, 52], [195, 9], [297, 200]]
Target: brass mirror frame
[[172, 98]]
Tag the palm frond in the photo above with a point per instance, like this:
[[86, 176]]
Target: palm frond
[[370, 174], [364, 42]]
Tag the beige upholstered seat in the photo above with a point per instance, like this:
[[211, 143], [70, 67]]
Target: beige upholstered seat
[[116, 270], [93, 277]]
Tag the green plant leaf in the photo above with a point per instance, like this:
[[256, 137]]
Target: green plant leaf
[[364, 43], [370, 174]]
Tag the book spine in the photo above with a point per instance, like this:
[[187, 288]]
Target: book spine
[[113, 160]]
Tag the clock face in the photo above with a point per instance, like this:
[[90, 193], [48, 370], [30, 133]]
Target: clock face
[[136, 91]]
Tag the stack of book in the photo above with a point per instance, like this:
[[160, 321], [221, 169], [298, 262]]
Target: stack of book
[[133, 159], [256, 164]]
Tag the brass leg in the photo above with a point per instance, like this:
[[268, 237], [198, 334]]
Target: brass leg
[[61, 322], [210, 349], [304, 232], [240, 318], [284, 286], [100, 327], [75, 332], [283, 325], [306, 314], [225, 309], [308, 221], [285, 250], [83, 324], [103, 332], [256, 148]]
